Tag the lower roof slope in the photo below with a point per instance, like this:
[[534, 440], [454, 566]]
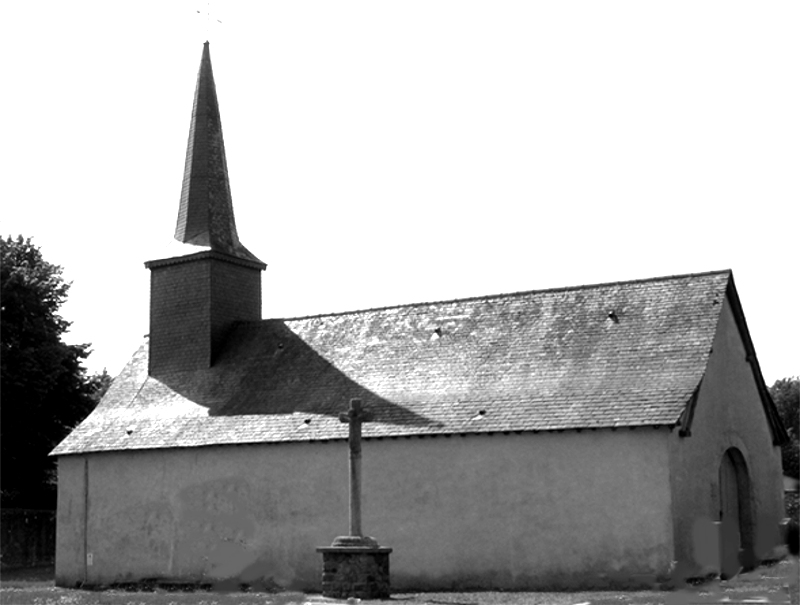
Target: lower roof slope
[[609, 355]]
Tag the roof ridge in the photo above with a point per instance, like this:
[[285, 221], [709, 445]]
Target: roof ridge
[[500, 295]]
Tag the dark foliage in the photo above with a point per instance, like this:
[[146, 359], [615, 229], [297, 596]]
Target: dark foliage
[[793, 537], [45, 389], [786, 395]]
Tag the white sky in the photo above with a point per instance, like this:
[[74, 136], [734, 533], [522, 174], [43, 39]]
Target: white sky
[[405, 151]]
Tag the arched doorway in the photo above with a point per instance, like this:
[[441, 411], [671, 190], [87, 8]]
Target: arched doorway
[[735, 515]]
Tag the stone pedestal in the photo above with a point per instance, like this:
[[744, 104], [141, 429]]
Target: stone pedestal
[[355, 567]]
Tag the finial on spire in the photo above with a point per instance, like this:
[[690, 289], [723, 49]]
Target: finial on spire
[[208, 19]]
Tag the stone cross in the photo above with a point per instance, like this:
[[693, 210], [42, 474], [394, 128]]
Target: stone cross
[[354, 417], [355, 566]]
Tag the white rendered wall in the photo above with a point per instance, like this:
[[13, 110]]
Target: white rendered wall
[[493, 511], [729, 413]]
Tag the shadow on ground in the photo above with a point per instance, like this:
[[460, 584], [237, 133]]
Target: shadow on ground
[[29, 574], [777, 583]]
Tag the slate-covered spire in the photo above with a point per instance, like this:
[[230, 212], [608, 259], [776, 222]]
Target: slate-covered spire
[[206, 215], [209, 281]]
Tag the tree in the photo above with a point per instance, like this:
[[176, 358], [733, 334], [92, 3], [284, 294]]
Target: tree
[[45, 389], [786, 395]]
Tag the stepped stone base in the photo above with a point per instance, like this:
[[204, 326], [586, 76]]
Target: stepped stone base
[[355, 567]]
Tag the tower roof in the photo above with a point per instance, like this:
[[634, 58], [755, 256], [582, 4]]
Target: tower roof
[[206, 214]]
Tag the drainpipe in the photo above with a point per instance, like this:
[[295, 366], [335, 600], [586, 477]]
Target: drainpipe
[[85, 520]]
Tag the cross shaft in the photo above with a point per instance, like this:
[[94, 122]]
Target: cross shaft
[[355, 416]]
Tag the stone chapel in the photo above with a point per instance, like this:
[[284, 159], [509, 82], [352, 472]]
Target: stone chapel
[[616, 434]]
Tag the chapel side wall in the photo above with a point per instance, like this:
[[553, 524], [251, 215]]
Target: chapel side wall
[[529, 511], [728, 413], [492, 511], [215, 513], [69, 521]]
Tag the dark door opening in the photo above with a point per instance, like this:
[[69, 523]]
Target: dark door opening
[[736, 525]]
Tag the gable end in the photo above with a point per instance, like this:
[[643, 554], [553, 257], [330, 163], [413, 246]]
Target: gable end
[[777, 430]]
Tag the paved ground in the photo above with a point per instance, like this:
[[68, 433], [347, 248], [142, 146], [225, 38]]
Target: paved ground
[[769, 584]]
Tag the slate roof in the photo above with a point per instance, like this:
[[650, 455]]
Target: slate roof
[[623, 354], [205, 214]]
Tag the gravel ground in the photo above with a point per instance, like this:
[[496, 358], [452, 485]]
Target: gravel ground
[[772, 584]]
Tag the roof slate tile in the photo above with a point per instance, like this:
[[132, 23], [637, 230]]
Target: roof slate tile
[[609, 355]]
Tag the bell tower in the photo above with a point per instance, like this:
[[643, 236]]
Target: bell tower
[[197, 295]]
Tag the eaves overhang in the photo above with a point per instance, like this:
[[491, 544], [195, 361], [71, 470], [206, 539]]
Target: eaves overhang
[[203, 255]]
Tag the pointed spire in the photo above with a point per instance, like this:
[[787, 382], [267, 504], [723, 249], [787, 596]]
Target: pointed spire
[[206, 215]]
